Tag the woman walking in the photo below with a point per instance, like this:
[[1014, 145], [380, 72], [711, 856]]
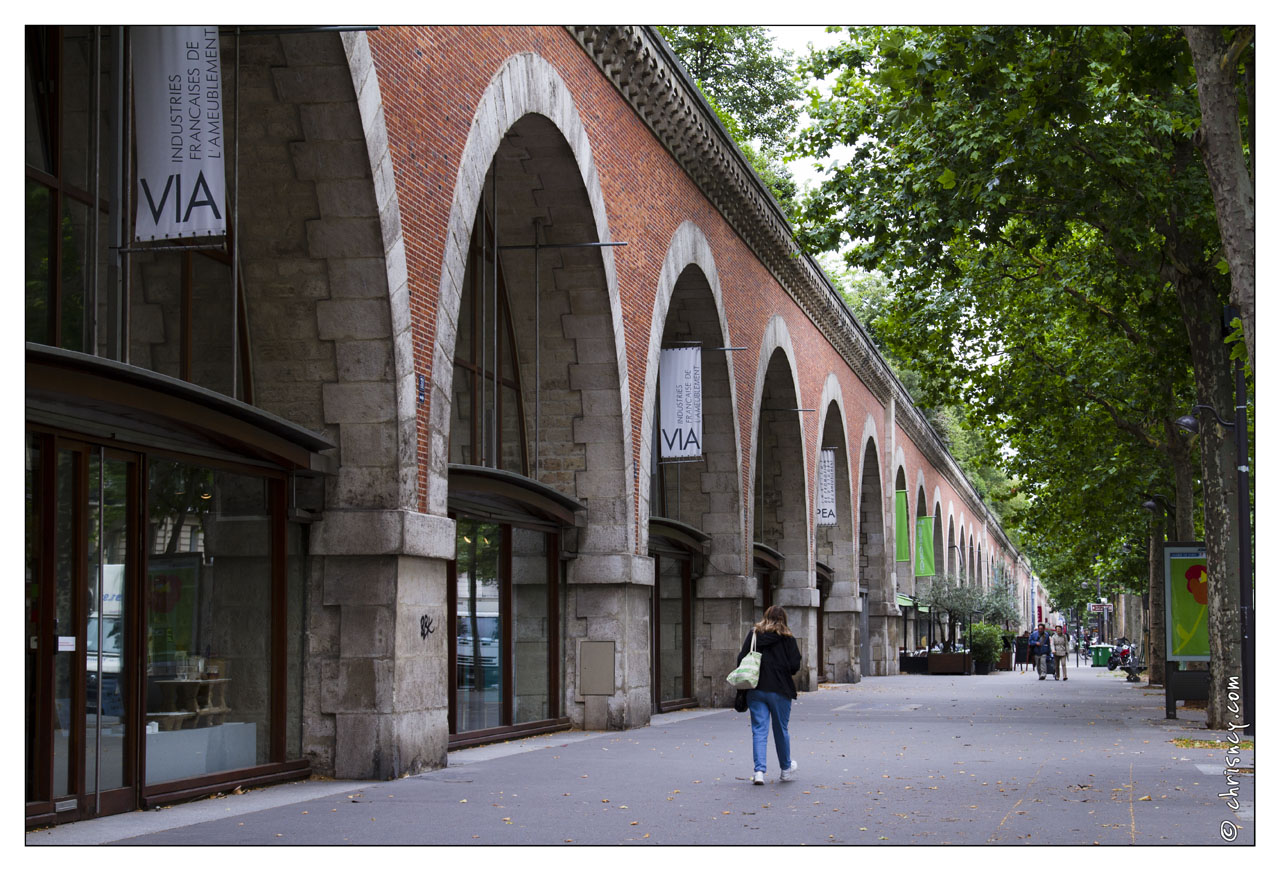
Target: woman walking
[[771, 699]]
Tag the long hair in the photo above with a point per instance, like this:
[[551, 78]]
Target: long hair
[[775, 620]]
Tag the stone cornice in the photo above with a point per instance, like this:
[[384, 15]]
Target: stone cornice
[[651, 79]]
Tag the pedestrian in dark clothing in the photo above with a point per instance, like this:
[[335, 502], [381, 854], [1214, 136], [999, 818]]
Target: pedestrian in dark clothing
[[771, 699], [1040, 649]]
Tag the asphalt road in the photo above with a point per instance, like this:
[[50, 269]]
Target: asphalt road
[[914, 759]]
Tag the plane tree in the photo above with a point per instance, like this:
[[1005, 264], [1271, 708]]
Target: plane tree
[[1035, 196]]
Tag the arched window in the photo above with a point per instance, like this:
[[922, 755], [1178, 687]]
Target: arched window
[[488, 419]]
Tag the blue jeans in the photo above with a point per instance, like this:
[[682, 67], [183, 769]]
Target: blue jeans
[[766, 706]]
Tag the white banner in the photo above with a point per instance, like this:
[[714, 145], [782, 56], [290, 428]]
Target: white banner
[[177, 94], [680, 418], [827, 487]]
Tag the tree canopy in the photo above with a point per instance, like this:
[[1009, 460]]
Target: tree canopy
[[1035, 198], [752, 86]]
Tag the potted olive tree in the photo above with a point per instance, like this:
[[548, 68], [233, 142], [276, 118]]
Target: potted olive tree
[[951, 600]]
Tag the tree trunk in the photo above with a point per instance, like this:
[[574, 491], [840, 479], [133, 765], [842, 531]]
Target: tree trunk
[[1222, 148], [1184, 486], [1156, 652], [1202, 315]]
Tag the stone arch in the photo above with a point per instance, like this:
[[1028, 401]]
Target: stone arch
[[780, 505], [688, 307], [901, 568], [874, 558], [919, 509], [322, 254], [527, 187], [526, 122], [939, 550], [909, 584], [952, 557], [834, 546]]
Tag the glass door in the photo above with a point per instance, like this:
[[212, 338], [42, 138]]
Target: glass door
[[80, 753], [672, 641], [504, 647]]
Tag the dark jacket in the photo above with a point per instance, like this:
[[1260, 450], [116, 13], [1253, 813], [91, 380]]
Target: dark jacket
[[1039, 642], [779, 660]]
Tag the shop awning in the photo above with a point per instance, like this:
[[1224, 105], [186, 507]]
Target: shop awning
[[104, 398]]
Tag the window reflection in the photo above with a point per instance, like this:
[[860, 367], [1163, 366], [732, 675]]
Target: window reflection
[[532, 624], [208, 589], [672, 631], [478, 627]]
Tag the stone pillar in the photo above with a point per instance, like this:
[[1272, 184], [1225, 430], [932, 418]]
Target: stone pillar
[[802, 616], [841, 614], [724, 609], [608, 600], [886, 634], [378, 680], [841, 644]]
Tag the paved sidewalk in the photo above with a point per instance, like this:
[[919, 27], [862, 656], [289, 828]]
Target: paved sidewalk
[[914, 759]]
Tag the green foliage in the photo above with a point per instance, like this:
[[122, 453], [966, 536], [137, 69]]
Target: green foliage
[[974, 447], [999, 603], [752, 87], [951, 596], [985, 642], [1235, 339], [1035, 199], [740, 70]]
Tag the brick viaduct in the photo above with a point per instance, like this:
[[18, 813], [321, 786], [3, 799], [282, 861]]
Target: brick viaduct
[[378, 169]]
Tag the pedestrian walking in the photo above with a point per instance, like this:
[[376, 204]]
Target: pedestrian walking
[[1022, 650], [770, 701], [1060, 644], [1039, 641]]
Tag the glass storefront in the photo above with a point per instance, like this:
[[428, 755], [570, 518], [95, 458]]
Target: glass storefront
[[208, 640], [504, 650], [505, 667], [155, 665], [478, 640]]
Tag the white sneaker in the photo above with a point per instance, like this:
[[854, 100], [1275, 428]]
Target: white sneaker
[[757, 779], [790, 773]]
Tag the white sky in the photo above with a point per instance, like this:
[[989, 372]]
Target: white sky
[[797, 39]]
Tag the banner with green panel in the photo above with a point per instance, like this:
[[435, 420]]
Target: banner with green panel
[[902, 532], [1186, 596], [924, 546]]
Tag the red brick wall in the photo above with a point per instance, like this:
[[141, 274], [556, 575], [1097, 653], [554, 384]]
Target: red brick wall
[[431, 80]]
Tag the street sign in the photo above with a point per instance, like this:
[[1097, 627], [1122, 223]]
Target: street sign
[[1099, 606]]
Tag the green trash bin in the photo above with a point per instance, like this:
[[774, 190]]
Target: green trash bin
[[1101, 653]]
